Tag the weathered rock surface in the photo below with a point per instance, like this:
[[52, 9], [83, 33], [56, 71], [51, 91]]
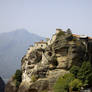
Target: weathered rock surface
[[10, 86], [42, 67]]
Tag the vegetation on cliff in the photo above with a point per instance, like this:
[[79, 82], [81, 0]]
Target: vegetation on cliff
[[18, 77], [79, 77], [85, 74], [75, 85], [62, 84], [74, 70]]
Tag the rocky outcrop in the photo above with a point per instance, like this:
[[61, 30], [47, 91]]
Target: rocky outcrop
[[10, 86], [2, 85], [43, 83], [42, 67], [69, 51]]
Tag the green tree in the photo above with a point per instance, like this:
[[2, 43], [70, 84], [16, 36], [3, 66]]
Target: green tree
[[69, 31], [17, 83], [62, 84], [75, 85], [33, 78], [74, 70], [18, 77], [85, 73]]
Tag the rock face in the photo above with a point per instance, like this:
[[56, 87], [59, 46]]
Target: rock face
[[2, 85], [10, 86], [90, 50], [42, 67]]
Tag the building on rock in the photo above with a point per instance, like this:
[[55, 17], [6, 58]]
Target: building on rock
[[42, 44]]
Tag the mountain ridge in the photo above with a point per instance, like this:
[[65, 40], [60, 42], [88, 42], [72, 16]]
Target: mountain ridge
[[13, 46]]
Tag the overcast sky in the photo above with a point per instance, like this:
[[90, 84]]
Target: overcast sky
[[44, 16]]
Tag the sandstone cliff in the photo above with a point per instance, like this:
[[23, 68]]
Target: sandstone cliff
[[41, 67]]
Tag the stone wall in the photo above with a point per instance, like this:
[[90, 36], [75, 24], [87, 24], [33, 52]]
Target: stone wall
[[40, 45]]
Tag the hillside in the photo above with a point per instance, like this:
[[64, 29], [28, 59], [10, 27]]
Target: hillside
[[13, 46]]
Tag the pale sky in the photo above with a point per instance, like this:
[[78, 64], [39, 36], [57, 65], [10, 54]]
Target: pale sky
[[44, 16]]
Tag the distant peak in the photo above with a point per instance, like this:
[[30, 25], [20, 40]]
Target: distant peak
[[21, 30]]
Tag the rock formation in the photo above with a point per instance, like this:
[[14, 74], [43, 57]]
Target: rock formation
[[41, 67], [2, 85]]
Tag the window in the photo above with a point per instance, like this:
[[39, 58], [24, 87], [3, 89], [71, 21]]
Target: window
[[49, 53], [41, 45]]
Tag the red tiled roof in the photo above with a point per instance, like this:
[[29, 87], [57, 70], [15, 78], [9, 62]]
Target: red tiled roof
[[78, 36], [89, 37]]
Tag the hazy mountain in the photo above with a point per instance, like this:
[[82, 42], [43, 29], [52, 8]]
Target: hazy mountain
[[2, 85], [13, 45]]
